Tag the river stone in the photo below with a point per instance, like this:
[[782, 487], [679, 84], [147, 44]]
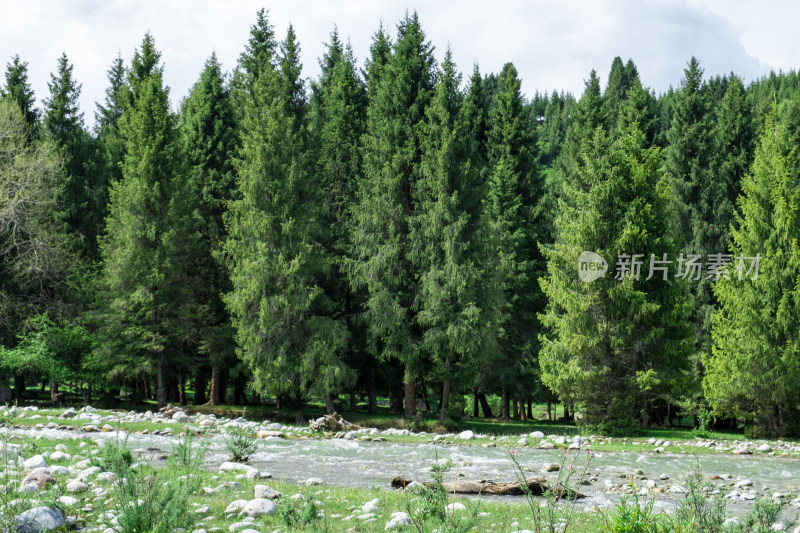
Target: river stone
[[546, 445], [77, 486], [60, 456], [553, 467], [313, 481], [267, 433], [267, 492], [259, 507], [536, 435], [39, 519], [180, 417], [230, 466], [69, 413], [235, 506], [450, 508], [764, 448], [371, 506], [744, 450], [238, 526], [743, 483], [40, 477], [37, 461], [561, 441], [68, 501], [466, 435], [399, 519]]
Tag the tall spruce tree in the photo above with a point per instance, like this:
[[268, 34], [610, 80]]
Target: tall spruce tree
[[614, 345], [443, 233], [63, 124], [339, 115], [382, 240], [18, 90], [210, 141], [150, 243], [285, 323], [754, 367]]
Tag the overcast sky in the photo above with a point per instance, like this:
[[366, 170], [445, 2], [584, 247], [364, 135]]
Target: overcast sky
[[553, 44]]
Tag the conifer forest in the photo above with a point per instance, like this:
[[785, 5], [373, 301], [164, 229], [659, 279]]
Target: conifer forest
[[405, 235]]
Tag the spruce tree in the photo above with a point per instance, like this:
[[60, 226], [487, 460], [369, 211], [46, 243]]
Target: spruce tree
[[63, 124], [614, 345], [209, 138], [18, 90], [150, 243], [382, 244], [285, 322], [443, 234], [754, 367], [339, 114]]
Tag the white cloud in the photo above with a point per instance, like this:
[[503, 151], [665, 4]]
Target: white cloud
[[553, 44]]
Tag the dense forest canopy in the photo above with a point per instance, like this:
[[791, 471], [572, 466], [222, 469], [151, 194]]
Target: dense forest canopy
[[401, 229]]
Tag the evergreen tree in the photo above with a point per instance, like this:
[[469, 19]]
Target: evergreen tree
[[107, 122], [614, 345], [18, 90], [510, 213], [443, 255], [150, 243], [63, 124], [339, 102], [285, 323], [382, 244], [753, 369], [210, 141]]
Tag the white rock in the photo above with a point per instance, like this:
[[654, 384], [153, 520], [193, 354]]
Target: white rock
[[59, 456], [180, 417], [39, 519], [37, 461], [259, 507], [68, 501], [267, 492], [230, 466], [371, 506], [743, 483], [235, 506], [238, 526], [764, 448], [398, 520], [466, 435], [536, 435], [313, 481], [77, 486], [546, 445], [450, 508], [561, 441]]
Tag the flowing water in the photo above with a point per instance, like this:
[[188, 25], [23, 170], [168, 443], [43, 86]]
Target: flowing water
[[373, 464]]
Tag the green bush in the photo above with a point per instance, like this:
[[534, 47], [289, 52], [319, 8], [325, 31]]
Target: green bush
[[299, 513], [240, 442]]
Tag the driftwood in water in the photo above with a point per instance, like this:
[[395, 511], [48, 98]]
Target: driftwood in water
[[537, 486]]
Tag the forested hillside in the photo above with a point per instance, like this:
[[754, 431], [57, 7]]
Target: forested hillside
[[404, 227]]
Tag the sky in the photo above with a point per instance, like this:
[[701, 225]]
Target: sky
[[554, 44]]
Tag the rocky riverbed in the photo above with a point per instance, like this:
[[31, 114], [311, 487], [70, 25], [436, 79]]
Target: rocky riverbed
[[368, 457]]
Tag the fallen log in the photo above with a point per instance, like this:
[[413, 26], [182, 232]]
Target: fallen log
[[333, 422], [537, 487]]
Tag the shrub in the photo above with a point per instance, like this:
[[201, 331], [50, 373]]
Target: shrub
[[240, 442]]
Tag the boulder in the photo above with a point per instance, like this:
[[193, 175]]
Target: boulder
[[39, 519], [180, 417], [230, 466], [259, 507], [536, 435], [40, 477], [466, 435], [6, 395], [77, 486], [235, 506], [266, 433], [371, 506], [312, 481], [398, 520], [451, 508], [266, 492], [238, 526], [37, 461]]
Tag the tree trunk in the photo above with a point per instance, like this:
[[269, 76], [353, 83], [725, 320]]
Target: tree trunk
[[566, 413], [410, 407], [353, 400], [214, 395], [200, 384], [487, 410], [173, 394], [445, 398], [530, 409], [148, 394], [161, 382], [53, 390], [19, 386], [329, 407], [255, 398], [523, 414], [239, 387], [87, 394], [475, 406], [504, 406], [424, 389], [549, 410], [181, 389], [299, 415], [372, 405], [515, 409]]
